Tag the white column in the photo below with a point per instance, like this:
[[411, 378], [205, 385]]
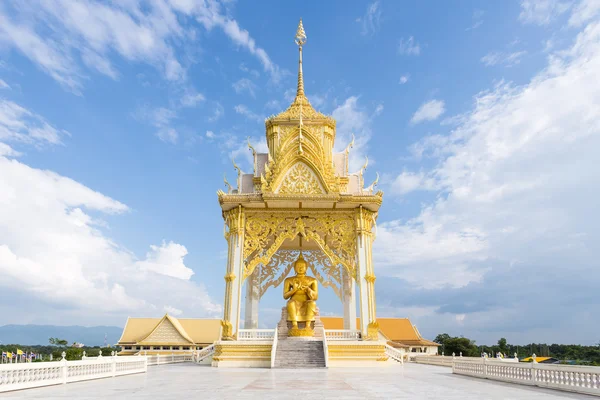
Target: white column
[[365, 276], [252, 300], [348, 299], [234, 274]]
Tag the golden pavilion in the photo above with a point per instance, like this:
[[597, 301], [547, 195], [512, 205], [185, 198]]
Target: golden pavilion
[[300, 221]]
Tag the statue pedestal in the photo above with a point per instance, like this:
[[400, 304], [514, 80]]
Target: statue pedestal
[[284, 326]]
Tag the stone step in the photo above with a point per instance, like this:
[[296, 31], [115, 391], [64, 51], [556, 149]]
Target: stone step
[[299, 354]]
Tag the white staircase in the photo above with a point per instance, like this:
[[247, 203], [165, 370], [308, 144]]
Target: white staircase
[[299, 353]]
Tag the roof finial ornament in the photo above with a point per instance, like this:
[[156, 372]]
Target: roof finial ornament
[[350, 145], [300, 40], [227, 183], [239, 175], [251, 148]]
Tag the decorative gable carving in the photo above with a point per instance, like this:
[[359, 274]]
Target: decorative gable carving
[[166, 333], [300, 179]]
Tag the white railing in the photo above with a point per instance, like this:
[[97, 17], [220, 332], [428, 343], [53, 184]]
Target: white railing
[[202, 354], [274, 348], [255, 334], [325, 349], [442, 361], [30, 375], [342, 334], [159, 359], [394, 353], [579, 379]]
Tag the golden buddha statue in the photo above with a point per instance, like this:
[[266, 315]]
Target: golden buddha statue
[[302, 292]]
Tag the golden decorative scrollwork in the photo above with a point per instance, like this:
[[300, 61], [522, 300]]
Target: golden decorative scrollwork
[[300, 179], [280, 265], [334, 233]]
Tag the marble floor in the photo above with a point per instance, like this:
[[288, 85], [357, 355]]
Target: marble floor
[[179, 381]]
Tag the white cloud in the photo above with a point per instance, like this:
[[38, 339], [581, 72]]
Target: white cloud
[[7, 151], [409, 47], [351, 119], [243, 110], [160, 118], [273, 105], [542, 12], [53, 34], [167, 135], [584, 12], [167, 259], [371, 21], [245, 85], [477, 20], [21, 125], [506, 59], [404, 79], [218, 112], [59, 258], [209, 14], [428, 111], [517, 182], [172, 310], [407, 182], [210, 134], [252, 72], [191, 99], [65, 38], [4, 85]]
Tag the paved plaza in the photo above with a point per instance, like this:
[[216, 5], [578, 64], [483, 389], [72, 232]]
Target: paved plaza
[[189, 381]]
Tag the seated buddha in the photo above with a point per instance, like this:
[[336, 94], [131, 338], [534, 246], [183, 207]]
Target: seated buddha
[[302, 292]]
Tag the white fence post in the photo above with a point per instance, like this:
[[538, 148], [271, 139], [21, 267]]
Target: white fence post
[[114, 364], [158, 359], [64, 368]]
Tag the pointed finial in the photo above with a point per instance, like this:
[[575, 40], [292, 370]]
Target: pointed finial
[[350, 145], [250, 147], [227, 184], [300, 35], [300, 40], [366, 163]]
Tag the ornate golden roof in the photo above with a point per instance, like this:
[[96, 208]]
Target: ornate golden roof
[[197, 331], [300, 107]]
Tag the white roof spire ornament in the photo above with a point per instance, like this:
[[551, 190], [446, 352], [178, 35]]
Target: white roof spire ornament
[[300, 40]]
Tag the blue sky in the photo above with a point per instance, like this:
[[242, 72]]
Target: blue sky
[[119, 119]]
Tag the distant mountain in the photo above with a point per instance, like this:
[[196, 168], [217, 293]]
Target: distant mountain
[[39, 334]]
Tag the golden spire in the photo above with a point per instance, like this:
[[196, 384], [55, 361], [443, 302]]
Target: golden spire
[[300, 40]]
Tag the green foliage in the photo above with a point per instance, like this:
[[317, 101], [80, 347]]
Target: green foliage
[[72, 353], [57, 342], [457, 345], [566, 353]]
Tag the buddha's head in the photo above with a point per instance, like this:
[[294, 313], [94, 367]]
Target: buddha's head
[[300, 266]]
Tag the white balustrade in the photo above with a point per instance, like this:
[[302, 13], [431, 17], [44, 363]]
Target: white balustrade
[[29, 375], [325, 348], [274, 347], [255, 334], [443, 361], [394, 353], [203, 353], [342, 334], [572, 378]]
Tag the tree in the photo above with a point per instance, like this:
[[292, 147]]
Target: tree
[[502, 345], [58, 342], [441, 338]]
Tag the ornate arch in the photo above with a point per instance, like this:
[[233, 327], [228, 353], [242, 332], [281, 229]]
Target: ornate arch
[[334, 234], [300, 179], [281, 264]]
